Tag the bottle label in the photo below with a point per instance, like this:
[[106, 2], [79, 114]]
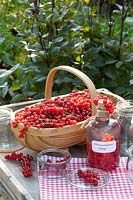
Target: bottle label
[[103, 147]]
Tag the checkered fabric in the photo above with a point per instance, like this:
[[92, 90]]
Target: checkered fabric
[[119, 186]]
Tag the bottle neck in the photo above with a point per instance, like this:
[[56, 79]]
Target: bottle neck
[[102, 121], [102, 114], [102, 117]]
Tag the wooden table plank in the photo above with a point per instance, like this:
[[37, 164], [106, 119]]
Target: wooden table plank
[[23, 188]]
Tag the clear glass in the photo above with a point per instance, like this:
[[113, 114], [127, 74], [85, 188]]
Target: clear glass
[[54, 162], [7, 140], [5, 136], [80, 183], [124, 110], [129, 165]]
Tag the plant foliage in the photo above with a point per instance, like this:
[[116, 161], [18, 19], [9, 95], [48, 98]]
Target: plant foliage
[[95, 37]]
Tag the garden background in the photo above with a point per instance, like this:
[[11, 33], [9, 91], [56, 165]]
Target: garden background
[[94, 36]]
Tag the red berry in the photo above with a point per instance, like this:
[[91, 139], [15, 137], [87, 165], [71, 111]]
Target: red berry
[[25, 162], [59, 112], [90, 177]]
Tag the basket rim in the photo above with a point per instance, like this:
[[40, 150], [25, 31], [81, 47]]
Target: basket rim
[[32, 130]]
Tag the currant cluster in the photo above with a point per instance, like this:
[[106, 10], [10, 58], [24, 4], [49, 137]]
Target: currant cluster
[[89, 176], [104, 161], [108, 138], [25, 162], [61, 163], [109, 105], [58, 112]]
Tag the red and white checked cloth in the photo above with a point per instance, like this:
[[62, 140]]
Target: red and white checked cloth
[[119, 186]]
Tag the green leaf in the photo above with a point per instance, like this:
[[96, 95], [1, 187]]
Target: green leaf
[[17, 98], [39, 78], [78, 58], [2, 39], [98, 61], [58, 40], [7, 58], [4, 73], [129, 57], [63, 79], [4, 91], [111, 72], [119, 64], [41, 17], [109, 84], [16, 86], [119, 6], [120, 90], [56, 51], [109, 62]]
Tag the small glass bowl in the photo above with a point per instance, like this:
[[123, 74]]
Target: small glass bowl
[[101, 176], [54, 162]]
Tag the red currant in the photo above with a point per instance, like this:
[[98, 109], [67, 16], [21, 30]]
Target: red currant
[[25, 162], [89, 176], [59, 112]]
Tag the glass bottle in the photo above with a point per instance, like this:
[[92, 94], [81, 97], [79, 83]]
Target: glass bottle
[[103, 144], [124, 110], [129, 164], [5, 133]]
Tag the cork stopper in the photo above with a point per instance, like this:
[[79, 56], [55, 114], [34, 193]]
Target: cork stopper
[[101, 110]]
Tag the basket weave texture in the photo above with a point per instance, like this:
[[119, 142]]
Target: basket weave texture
[[63, 137]]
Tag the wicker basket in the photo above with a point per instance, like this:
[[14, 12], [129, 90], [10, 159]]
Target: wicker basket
[[64, 137]]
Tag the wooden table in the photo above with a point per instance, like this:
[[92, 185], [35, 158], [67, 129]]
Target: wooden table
[[18, 186]]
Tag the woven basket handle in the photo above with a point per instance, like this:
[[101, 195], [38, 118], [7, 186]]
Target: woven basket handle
[[79, 74]]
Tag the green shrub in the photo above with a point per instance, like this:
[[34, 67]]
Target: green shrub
[[93, 39]]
